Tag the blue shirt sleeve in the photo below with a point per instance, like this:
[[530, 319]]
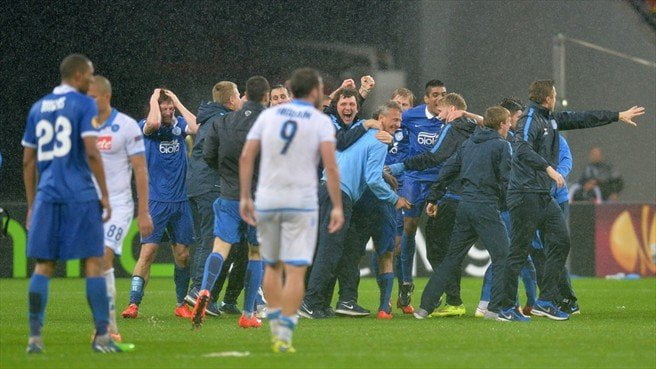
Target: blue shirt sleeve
[[182, 123], [565, 163], [89, 118], [374, 173]]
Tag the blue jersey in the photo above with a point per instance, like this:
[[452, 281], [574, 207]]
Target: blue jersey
[[166, 154], [423, 130], [398, 151], [56, 126]]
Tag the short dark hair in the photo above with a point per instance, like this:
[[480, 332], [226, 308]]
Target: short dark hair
[[163, 97], [345, 92], [433, 83], [256, 88], [72, 64], [512, 104], [540, 90], [303, 81], [494, 116]]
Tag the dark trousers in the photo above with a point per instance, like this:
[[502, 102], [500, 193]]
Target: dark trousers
[[348, 269], [528, 213], [565, 290], [202, 211], [473, 221], [438, 236], [329, 252]]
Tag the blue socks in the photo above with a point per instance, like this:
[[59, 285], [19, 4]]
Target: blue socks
[[486, 291], [252, 283], [136, 289], [530, 284], [181, 278], [407, 257], [212, 270], [385, 283], [38, 298], [97, 297], [259, 299]]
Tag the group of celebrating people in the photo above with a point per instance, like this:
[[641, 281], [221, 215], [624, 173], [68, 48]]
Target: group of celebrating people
[[283, 179]]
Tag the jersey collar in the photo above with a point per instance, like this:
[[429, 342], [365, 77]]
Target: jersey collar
[[64, 88], [301, 102], [110, 119], [429, 115]]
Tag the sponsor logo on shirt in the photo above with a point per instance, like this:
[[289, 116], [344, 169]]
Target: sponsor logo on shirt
[[427, 138], [169, 147], [104, 143]]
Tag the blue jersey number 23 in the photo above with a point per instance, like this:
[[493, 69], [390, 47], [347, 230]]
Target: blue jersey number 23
[[287, 134]]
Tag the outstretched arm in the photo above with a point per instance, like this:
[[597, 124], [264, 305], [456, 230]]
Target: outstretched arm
[[568, 120]]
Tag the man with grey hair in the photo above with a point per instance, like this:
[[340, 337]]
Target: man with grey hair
[[361, 166]]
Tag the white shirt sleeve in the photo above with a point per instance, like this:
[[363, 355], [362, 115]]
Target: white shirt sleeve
[[326, 130], [256, 130], [134, 143]]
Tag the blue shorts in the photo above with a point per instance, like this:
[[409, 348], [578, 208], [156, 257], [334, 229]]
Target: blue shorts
[[174, 217], [65, 231], [376, 219], [416, 193], [228, 225], [387, 229]]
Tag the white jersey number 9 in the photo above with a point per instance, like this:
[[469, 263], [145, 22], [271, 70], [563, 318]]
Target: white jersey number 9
[[61, 133]]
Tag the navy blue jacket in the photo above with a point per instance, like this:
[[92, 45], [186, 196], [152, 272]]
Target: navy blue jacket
[[224, 143], [482, 164], [200, 177], [536, 144]]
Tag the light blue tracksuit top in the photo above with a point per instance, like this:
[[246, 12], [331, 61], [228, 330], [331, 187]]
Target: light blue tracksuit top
[[361, 165]]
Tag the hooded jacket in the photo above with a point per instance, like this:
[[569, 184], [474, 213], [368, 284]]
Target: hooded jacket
[[482, 165], [200, 177]]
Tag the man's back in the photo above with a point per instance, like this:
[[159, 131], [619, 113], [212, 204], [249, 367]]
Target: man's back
[[290, 136], [56, 126], [201, 178], [485, 166], [228, 138], [361, 166]]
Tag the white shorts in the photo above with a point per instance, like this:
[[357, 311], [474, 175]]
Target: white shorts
[[287, 236], [118, 225]]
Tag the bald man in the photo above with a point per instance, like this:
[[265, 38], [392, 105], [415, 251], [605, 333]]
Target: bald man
[[121, 146]]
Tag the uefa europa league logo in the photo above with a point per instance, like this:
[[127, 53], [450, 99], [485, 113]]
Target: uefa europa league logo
[[634, 245]]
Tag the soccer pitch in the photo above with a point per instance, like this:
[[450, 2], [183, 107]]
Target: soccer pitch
[[617, 328]]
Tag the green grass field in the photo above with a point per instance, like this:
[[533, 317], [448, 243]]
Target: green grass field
[[617, 328]]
